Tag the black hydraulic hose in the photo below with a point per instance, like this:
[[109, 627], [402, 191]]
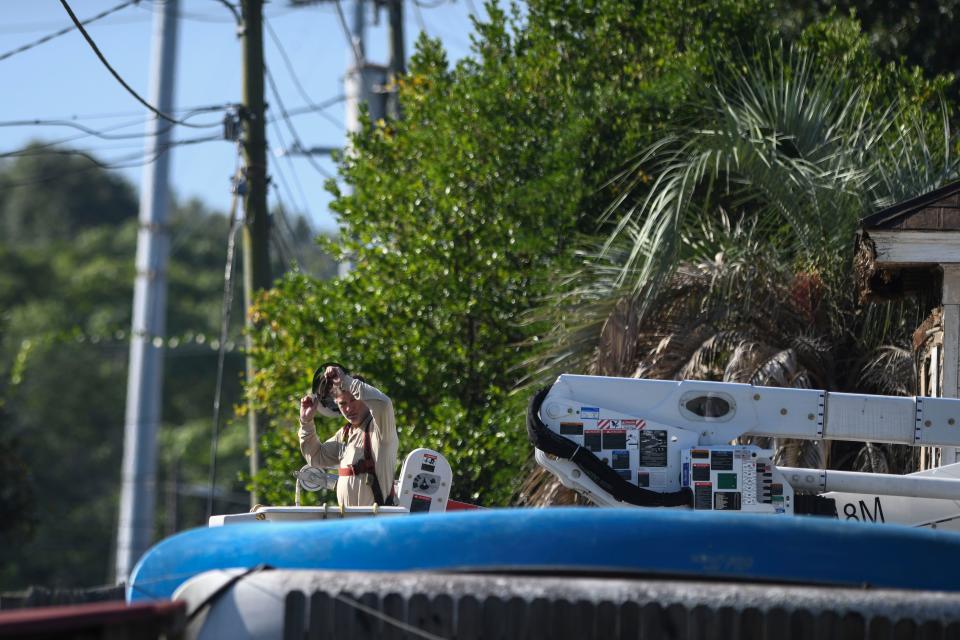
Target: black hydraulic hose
[[606, 478]]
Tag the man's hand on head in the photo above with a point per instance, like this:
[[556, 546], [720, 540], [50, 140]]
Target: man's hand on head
[[333, 375], [308, 408]]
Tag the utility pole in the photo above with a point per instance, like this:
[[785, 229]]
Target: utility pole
[[397, 65], [145, 371], [354, 81], [256, 224]]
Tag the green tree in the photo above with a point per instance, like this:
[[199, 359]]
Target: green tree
[[460, 216], [66, 279], [731, 257]]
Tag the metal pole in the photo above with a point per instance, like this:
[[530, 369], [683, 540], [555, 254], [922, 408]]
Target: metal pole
[[145, 373], [353, 80], [397, 65], [951, 345], [824, 480], [355, 92], [256, 226]]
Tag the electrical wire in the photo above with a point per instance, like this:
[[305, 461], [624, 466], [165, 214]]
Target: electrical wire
[[326, 104], [221, 355], [210, 19], [103, 134], [296, 178], [126, 162], [123, 83], [304, 201], [293, 241], [236, 12], [65, 30], [293, 76], [354, 45], [293, 131], [50, 120], [419, 16]]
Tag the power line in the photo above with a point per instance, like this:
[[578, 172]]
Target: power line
[[293, 75], [65, 30], [126, 162], [123, 83], [283, 179], [236, 12], [224, 331], [285, 224], [326, 104], [354, 45], [289, 123], [419, 16], [103, 134], [202, 17], [50, 120]]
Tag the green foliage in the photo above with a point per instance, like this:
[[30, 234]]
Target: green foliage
[[67, 244], [460, 215], [49, 194], [911, 34]]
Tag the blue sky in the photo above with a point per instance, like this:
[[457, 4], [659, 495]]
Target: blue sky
[[63, 80]]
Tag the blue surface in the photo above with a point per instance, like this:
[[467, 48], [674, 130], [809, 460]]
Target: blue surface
[[659, 542]]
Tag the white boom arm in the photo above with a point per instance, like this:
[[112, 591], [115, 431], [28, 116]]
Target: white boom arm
[[723, 411], [628, 441]]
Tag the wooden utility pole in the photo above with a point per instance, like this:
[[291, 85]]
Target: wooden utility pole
[[256, 224]]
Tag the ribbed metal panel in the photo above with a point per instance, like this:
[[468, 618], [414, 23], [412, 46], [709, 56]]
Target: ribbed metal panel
[[356, 606]]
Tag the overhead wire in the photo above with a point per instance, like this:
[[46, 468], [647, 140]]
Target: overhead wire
[[103, 116], [320, 106], [293, 169], [113, 72], [103, 133], [304, 202], [126, 162], [293, 131], [419, 16], [225, 313], [65, 30], [293, 75], [292, 240], [351, 41], [211, 19]]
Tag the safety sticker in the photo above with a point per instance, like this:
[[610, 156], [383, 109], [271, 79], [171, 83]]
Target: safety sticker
[[643, 479], [703, 496], [429, 463], [621, 459], [726, 501], [686, 474], [420, 503], [589, 413], [592, 440], [633, 423], [609, 423], [614, 439], [571, 428], [701, 472]]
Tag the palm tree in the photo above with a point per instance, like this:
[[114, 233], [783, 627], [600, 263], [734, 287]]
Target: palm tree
[[730, 254]]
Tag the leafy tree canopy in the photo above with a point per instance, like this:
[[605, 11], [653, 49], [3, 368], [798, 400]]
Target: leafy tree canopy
[[460, 215]]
